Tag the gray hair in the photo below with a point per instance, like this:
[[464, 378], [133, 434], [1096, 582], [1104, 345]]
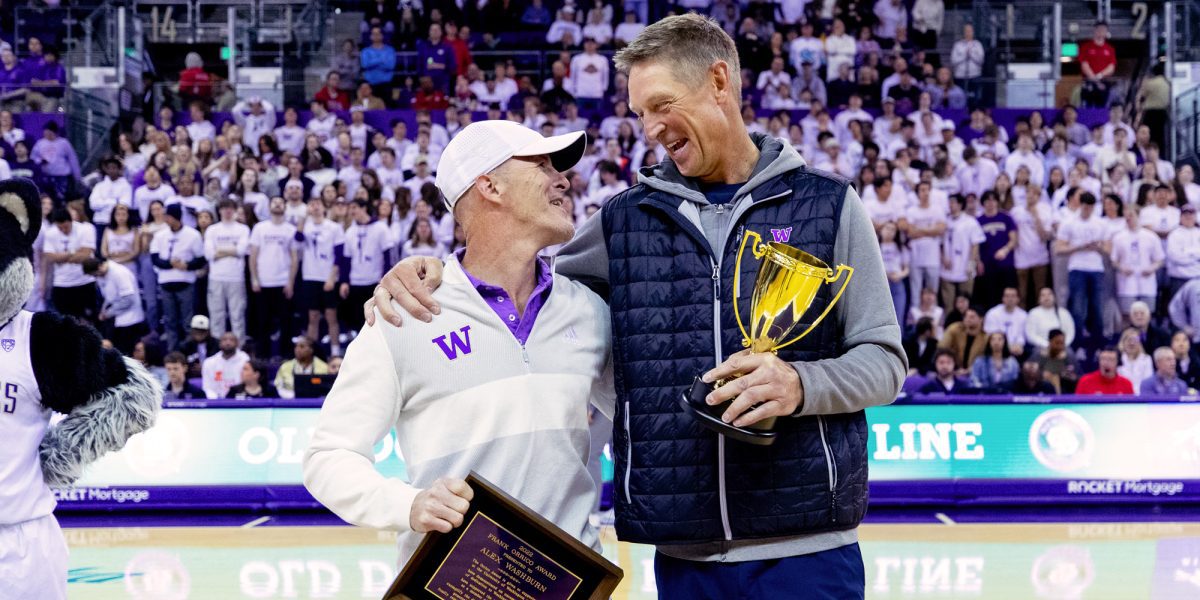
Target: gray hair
[[690, 44], [193, 60], [1163, 352]]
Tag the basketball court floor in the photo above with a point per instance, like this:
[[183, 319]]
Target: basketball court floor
[[917, 555]]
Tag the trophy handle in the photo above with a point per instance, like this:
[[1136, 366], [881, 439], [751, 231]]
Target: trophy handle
[[849, 271], [737, 279]]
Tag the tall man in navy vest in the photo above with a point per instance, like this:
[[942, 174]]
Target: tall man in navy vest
[[730, 520]]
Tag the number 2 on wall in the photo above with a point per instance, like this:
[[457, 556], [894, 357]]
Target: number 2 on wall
[[10, 398], [1140, 11]]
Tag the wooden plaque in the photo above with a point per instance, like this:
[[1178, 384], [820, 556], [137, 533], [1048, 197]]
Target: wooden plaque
[[504, 551]]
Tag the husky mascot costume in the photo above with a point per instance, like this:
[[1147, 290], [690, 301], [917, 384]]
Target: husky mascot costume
[[51, 363]]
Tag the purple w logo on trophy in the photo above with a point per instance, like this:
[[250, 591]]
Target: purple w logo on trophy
[[781, 236], [8, 344]]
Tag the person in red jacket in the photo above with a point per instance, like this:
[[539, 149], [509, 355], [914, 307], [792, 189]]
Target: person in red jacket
[[1105, 379], [458, 40], [194, 82], [332, 96], [1098, 60], [428, 97]]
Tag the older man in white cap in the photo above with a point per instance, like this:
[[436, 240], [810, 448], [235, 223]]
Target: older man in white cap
[[499, 382]]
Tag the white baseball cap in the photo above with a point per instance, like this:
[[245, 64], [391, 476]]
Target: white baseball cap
[[484, 145], [199, 322]]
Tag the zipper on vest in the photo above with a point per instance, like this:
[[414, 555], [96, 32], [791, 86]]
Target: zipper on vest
[[716, 278], [628, 453], [831, 467]]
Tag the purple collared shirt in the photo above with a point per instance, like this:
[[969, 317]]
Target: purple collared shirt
[[498, 299]]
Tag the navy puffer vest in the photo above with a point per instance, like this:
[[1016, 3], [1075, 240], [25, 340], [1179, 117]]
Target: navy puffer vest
[[677, 482]]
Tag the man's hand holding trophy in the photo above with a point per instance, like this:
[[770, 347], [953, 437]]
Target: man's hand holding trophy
[[742, 397]]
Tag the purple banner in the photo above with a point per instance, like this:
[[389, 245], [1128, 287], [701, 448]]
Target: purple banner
[[232, 497], [988, 492]]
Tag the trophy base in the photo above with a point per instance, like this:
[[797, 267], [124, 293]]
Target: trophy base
[[710, 416]]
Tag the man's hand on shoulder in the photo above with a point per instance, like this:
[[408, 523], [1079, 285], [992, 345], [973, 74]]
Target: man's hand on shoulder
[[410, 283], [767, 383], [440, 507]]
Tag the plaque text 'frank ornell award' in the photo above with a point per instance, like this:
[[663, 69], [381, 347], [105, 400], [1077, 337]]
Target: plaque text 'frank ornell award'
[[504, 551], [787, 283]]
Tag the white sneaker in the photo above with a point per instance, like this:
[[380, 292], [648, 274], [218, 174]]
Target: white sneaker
[[325, 339], [343, 338]]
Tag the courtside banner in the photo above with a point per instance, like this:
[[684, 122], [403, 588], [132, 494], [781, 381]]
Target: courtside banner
[[226, 456]]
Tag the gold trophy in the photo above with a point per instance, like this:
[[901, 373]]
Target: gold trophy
[[788, 281]]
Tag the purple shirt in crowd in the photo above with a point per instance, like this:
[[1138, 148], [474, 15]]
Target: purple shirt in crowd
[[498, 299], [38, 68], [57, 157], [13, 79], [996, 230], [440, 53]]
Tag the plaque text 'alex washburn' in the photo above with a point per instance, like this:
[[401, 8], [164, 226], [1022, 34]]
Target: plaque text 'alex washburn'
[[488, 561]]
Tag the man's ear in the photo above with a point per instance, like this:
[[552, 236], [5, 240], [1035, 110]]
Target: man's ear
[[719, 78]]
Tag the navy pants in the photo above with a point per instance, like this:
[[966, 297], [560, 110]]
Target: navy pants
[[1087, 307], [836, 574]]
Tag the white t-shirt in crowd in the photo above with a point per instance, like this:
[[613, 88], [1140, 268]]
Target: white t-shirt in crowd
[[320, 242], [1183, 253], [275, 242], [390, 178], [978, 178], [290, 139], [366, 245], [1078, 232], [191, 205], [1011, 324], [295, 213], [926, 251], [106, 195], [201, 130], [185, 244], [890, 210], [219, 373], [961, 235], [82, 235], [120, 282], [409, 248], [144, 195], [1032, 250], [227, 236], [322, 128], [590, 75], [259, 203], [895, 258], [1138, 251], [1159, 220]]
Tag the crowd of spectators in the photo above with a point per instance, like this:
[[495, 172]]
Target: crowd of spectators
[[213, 246]]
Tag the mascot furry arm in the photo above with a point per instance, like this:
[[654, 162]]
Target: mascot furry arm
[[107, 398]]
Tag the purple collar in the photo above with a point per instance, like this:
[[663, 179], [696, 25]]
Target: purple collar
[[498, 299]]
